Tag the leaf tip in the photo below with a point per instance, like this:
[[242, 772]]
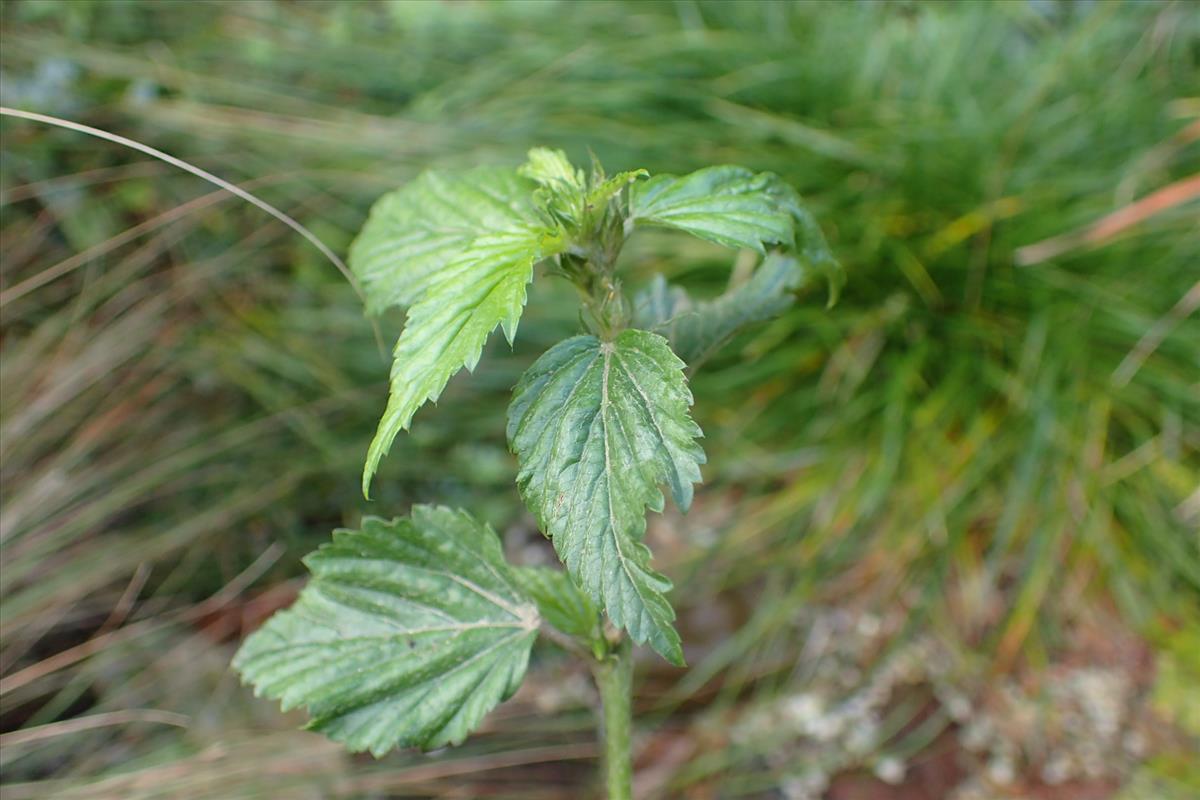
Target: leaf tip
[[670, 647], [835, 281]]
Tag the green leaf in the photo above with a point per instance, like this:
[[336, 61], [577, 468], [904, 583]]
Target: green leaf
[[561, 603], [697, 330], [729, 205], [809, 243], [561, 188], [448, 326], [606, 188], [597, 427], [416, 231], [552, 169], [409, 632], [737, 208], [568, 198], [459, 249]]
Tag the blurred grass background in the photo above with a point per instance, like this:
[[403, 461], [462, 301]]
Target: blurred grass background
[[948, 543]]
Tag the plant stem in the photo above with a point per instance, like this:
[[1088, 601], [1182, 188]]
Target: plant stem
[[614, 678]]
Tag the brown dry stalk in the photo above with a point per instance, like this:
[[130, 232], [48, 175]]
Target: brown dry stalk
[[1107, 227]]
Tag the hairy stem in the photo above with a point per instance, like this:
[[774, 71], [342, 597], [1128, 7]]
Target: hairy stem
[[614, 677]]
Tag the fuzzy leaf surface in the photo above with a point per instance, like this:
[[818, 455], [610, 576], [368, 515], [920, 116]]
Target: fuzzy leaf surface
[[422, 227], [552, 169], [597, 428], [410, 631], [560, 187], [729, 205], [696, 330]]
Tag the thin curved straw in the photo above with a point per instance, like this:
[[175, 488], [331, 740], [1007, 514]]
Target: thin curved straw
[[27, 286]]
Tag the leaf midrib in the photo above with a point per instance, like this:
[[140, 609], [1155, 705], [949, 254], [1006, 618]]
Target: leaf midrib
[[401, 633], [496, 600], [607, 350]]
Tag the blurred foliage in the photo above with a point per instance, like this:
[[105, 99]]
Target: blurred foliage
[[995, 450]]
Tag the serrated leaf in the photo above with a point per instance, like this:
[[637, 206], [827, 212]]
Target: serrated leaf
[[729, 205], [459, 249], [597, 428], [419, 229], [448, 326], [809, 242], [560, 602], [409, 632], [697, 330], [560, 187]]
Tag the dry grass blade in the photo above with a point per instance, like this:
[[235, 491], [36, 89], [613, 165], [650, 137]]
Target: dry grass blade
[[12, 294], [1108, 227], [1154, 337], [71, 656], [91, 722]]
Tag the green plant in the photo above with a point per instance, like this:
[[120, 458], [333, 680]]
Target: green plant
[[859, 459], [411, 630]]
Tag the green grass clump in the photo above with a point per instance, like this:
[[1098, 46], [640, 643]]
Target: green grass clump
[[987, 445]]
